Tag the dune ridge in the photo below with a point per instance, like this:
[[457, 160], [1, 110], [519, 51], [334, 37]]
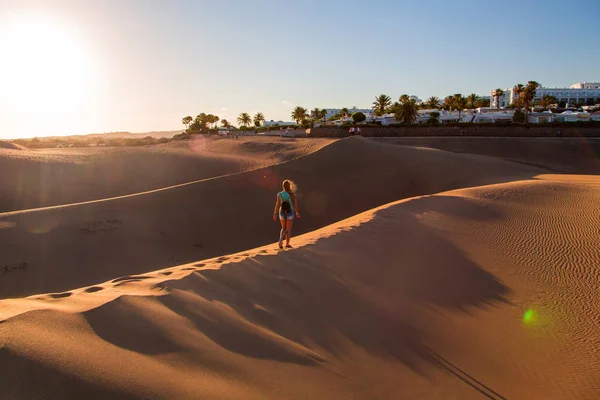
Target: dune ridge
[[419, 298], [137, 234], [50, 177]]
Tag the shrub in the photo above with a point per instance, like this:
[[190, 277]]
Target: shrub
[[358, 117], [519, 117], [434, 118]]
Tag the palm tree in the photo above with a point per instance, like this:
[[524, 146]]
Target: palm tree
[[404, 98], [459, 102], [547, 101], [472, 100], [323, 115], [225, 123], [433, 102], [244, 119], [497, 94], [187, 121], [202, 119], [211, 119], [518, 89], [482, 102], [529, 94], [344, 112], [299, 114], [258, 119], [406, 112], [315, 114], [381, 104]]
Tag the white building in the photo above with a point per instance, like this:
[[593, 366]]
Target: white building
[[570, 116], [334, 111], [586, 85], [278, 123], [581, 92]]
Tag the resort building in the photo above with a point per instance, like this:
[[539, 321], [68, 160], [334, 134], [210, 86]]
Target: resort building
[[277, 123], [586, 85], [334, 111], [577, 93]]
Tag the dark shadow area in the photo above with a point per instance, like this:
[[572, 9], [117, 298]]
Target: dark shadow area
[[120, 323], [563, 155], [357, 285], [22, 378]]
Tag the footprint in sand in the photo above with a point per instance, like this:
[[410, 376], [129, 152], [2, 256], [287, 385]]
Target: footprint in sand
[[130, 278], [60, 295], [200, 265], [93, 289], [166, 273]]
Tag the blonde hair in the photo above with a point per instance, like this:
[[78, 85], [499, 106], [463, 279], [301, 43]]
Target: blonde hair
[[290, 187]]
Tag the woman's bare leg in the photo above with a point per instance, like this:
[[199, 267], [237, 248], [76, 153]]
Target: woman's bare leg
[[283, 231], [290, 222]]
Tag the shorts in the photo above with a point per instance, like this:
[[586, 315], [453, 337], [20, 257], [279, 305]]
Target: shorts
[[287, 216]]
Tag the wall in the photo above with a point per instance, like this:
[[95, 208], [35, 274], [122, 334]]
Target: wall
[[588, 129]]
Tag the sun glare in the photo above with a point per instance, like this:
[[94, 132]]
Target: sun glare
[[45, 67]]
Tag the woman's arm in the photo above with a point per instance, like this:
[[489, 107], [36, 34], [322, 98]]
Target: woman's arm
[[277, 204], [296, 209]]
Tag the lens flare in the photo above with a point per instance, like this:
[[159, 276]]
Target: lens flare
[[530, 316], [197, 143]]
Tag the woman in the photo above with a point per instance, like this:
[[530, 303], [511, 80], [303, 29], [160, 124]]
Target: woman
[[287, 208]]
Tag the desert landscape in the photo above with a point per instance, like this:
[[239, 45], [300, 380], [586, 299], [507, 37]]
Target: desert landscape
[[423, 268]]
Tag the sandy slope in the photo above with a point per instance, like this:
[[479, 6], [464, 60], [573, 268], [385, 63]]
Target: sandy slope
[[10, 146], [422, 298], [59, 249], [37, 178], [564, 155]]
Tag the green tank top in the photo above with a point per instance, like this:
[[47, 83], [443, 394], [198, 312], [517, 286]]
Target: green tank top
[[285, 196]]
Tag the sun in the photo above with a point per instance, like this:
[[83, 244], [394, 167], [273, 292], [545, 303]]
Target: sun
[[45, 68]]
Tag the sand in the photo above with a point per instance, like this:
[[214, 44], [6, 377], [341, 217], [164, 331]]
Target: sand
[[45, 177], [578, 155], [481, 283]]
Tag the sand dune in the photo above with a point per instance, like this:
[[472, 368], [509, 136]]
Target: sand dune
[[38, 178], [483, 292], [564, 155], [55, 250], [10, 146]]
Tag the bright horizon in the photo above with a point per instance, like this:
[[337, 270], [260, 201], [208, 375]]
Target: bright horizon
[[78, 67]]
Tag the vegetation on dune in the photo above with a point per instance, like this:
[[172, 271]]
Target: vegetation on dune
[[406, 110], [300, 115], [497, 94], [547, 101], [358, 117], [259, 118], [244, 119], [434, 118], [519, 117], [433, 102], [381, 104]]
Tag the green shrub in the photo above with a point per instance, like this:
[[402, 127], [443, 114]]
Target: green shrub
[[358, 117]]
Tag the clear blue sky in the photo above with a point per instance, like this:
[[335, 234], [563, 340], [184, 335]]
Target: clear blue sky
[[96, 66]]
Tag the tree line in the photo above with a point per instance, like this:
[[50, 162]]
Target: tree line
[[405, 110]]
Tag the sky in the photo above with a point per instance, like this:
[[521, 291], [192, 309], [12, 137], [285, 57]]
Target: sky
[[76, 67]]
